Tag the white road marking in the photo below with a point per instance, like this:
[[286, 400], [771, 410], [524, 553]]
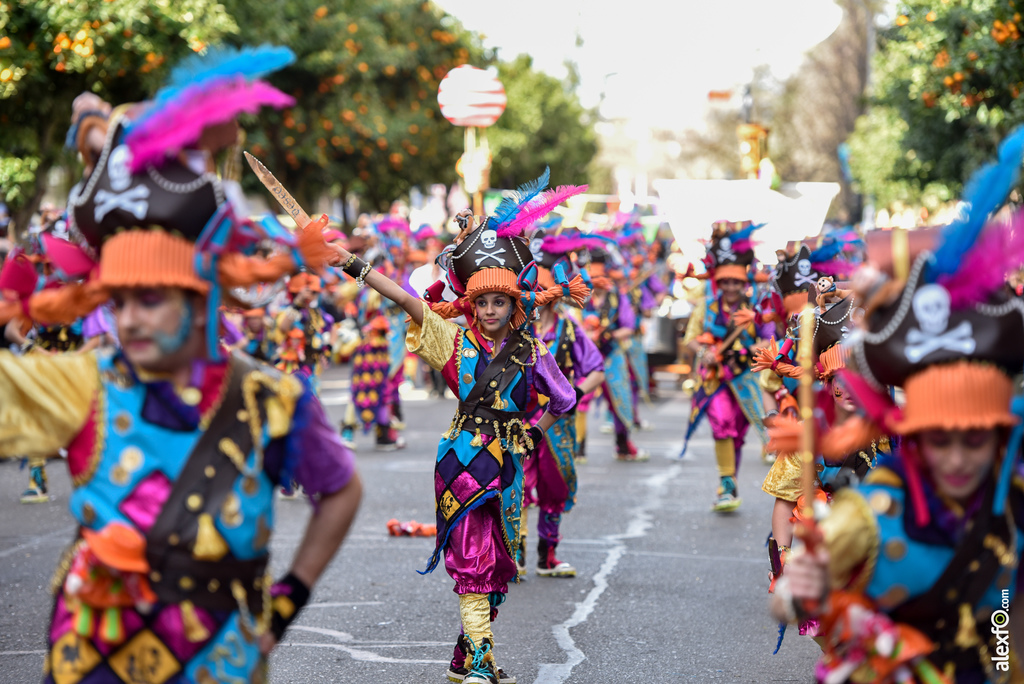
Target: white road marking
[[63, 532], [343, 604], [358, 653], [639, 524], [22, 653]]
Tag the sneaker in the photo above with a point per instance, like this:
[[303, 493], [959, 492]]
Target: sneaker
[[37, 491], [458, 674], [521, 558], [728, 500], [348, 437], [480, 666], [389, 440], [625, 450], [292, 493], [548, 565]]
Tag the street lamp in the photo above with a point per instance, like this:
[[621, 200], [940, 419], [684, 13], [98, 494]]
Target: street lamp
[[472, 98]]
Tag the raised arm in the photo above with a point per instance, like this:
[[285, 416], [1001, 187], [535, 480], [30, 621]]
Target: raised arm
[[356, 267]]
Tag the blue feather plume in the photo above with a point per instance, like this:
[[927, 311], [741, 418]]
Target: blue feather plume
[[248, 62], [984, 193], [509, 206], [746, 232], [827, 252], [782, 634]]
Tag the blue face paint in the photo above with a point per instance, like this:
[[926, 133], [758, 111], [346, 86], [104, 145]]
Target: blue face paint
[[169, 344]]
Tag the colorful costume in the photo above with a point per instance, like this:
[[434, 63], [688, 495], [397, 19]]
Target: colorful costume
[[729, 395], [303, 332], [920, 582], [608, 312], [478, 478], [549, 476], [165, 581]]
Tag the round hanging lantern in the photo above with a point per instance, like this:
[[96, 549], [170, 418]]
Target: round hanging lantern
[[469, 96]]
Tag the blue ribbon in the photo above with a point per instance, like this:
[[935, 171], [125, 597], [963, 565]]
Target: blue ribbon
[[1009, 459]]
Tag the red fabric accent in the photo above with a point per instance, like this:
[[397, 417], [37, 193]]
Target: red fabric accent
[[83, 446]]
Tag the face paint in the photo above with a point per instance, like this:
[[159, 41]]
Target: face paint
[[171, 343]]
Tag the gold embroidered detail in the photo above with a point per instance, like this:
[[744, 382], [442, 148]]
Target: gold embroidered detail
[[144, 659], [194, 502], [210, 545], [448, 505], [187, 583], [477, 441], [209, 471], [213, 586], [999, 548], [469, 353], [880, 502], [966, 634], [191, 396], [895, 549], [467, 378], [250, 486], [195, 630], [242, 415], [173, 539], [122, 422], [88, 514], [231, 511], [118, 475], [72, 658], [131, 458], [262, 537]]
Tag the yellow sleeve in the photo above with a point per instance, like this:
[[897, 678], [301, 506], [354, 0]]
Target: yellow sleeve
[[44, 401], [851, 537], [695, 326], [434, 341]]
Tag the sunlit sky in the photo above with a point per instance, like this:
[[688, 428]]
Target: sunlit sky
[[655, 60]]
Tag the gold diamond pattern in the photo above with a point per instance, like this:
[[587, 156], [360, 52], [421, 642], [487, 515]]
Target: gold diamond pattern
[[72, 658], [145, 660]]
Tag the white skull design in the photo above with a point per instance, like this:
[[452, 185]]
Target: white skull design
[[803, 266], [535, 248], [931, 307], [117, 168], [725, 244], [489, 239]]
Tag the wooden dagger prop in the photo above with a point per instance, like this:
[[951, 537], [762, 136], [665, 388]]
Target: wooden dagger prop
[[283, 197]]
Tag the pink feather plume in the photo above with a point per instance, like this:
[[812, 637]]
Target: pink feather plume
[[180, 123], [999, 250], [559, 244], [834, 268], [529, 214]]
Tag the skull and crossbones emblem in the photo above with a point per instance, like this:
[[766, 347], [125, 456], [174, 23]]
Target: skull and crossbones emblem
[[489, 238], [134, 201], [931, 306], [724, 251], [536, 248], [804, 275]]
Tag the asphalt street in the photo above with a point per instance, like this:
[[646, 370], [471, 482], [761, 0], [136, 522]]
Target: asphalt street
[[666, 591]]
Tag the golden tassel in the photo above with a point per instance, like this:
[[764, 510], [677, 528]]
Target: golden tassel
[[498, 403], [210, 546], [195, 631], [477, 441]]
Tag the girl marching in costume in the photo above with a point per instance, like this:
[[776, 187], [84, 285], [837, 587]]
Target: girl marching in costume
[[492, 366], [550, 475], [724, 334], [914, 574], [610, 322], [174, 448]]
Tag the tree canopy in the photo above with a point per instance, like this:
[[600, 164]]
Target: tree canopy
[[947, 79]]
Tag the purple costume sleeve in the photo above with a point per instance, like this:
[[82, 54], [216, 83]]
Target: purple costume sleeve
[[95, 324], [552, 384], [627, 316], [764, 330], [656, 285], [324, 464], [231, 333], [585, 357], [647, 301]]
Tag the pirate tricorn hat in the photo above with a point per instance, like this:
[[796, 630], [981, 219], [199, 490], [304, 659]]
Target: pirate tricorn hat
[[731, 252], [494, 257], [831, 329]]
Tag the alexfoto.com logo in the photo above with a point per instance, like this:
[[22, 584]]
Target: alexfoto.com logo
[[1001, 631]]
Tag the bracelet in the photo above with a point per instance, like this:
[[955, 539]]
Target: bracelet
[[288, 597], [361, 278], [353, 266]]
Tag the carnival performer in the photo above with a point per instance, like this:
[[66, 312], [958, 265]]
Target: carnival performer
[[173, 448], [610, 321], [724, 333], [549, 477], [493, 365], [256, 335], [914, 574], [303, 330]]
